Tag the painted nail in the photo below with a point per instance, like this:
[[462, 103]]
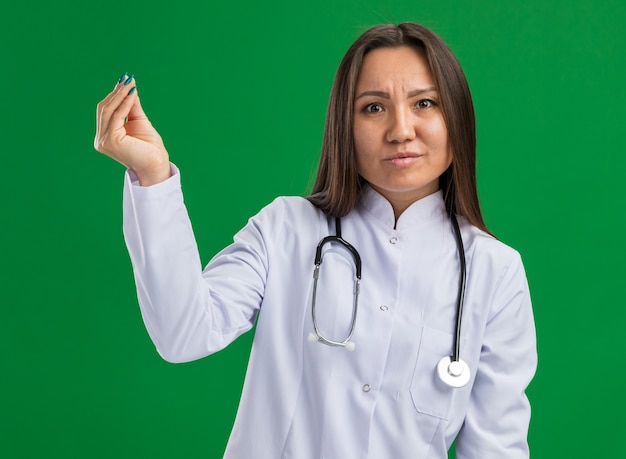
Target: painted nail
[[132, 90], [129, 79], [122, 77]]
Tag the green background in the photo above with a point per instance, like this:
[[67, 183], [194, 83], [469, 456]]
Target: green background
[[238, 90]]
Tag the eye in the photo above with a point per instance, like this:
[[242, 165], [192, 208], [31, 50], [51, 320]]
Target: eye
[[373, 108], [425, 103]]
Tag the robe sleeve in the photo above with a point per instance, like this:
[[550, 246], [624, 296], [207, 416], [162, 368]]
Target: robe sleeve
[[497, 420], [189, 312]]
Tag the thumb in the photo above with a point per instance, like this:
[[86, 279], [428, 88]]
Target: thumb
[[136, 110]]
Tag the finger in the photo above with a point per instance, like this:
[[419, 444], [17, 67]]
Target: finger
[[116, 89], [111, 129], [136, 111], [118, 117], [110, 103], [100, 110], [121, 90]]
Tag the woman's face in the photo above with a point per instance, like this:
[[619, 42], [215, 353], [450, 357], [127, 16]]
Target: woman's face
[[400, 137]]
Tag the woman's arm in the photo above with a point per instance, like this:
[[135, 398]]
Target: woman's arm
[[189, 314]]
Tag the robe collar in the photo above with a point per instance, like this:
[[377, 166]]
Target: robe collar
[[424, 211]]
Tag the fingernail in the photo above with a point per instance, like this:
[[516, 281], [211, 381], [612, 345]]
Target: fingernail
[[130, 78], [122, 77], [132, 90]]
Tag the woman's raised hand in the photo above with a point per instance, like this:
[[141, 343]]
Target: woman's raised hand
[[124, 133]]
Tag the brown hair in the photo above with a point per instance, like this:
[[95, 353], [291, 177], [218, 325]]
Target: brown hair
[[338, 184]]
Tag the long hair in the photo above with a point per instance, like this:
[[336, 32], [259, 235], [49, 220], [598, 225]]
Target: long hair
[[338, 184]]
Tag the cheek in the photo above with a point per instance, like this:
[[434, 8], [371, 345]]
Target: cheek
[[438, 133], [438, 140], [362, 145], [360, 137]]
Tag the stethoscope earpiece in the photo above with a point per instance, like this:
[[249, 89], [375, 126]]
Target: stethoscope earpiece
[[454, 373]]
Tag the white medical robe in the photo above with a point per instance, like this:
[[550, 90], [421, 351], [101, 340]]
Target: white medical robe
[[307, 400]]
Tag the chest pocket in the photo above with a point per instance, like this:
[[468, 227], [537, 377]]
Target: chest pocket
[[429, 394]]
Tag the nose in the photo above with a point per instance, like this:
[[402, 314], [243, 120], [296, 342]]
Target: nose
[[401, 128]]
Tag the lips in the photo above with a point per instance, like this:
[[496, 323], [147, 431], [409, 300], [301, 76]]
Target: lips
[[403, 159], [404, 154]]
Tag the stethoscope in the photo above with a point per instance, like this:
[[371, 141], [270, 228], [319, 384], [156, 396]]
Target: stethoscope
[[451, 369]]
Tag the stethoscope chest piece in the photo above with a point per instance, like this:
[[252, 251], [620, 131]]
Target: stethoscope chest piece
[[454, 373]]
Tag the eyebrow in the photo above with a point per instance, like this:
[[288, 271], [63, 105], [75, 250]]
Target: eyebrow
[[385, 95]]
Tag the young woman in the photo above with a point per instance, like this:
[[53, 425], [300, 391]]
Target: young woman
[[389, 321]]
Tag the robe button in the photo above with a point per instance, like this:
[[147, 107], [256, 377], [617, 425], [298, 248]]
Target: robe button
[[384, 308], [366, 388], [393, 240]]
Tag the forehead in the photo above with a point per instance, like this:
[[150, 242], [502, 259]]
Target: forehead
[[404, 66]]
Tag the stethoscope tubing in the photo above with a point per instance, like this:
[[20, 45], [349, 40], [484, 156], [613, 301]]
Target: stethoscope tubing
[[456, 352], [452, 370], [318, 336]]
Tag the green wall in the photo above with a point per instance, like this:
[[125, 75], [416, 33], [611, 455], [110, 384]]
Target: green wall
[[238, 90]]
